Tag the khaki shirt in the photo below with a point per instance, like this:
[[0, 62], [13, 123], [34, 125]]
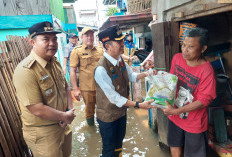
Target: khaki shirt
[[85, 60], [38, 81]]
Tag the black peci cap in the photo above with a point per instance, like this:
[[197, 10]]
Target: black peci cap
[[42, 28], [111, 34]]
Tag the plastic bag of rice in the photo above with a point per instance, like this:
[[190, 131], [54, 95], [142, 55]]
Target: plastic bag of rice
[[162, 88]]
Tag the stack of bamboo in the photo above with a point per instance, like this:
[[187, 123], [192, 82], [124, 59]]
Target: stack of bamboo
[[12, 143], [139, 6]]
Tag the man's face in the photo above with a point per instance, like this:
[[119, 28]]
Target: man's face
[[191, 49], [73, 40], [45, 45], [116, 48], [129, 38], [88, 38]]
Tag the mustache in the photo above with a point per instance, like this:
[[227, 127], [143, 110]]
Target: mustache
[[52, 48]]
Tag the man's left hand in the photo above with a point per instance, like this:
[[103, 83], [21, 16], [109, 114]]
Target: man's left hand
[[170, 110]]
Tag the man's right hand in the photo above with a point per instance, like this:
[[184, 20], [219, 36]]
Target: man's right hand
[[146, 105], [69, 116], [77, 94]]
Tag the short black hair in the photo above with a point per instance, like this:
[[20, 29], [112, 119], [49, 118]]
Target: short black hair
[[199, 32]]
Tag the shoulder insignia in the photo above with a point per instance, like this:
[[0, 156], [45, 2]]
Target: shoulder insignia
[[99, 47], [28, 63], [79, 46]]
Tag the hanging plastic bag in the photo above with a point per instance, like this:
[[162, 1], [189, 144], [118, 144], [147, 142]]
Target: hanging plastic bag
[[136, 86], [162, 88]]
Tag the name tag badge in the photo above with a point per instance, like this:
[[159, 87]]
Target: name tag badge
[[84, 54], [48, 92], [44, 78]]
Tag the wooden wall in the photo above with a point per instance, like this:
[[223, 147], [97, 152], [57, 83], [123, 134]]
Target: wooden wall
[[24, 7], [165, 43]]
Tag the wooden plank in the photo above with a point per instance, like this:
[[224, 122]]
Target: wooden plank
[[179, 14], [2, 10], [167, 47], [211, 9], [136, 6], [224, 1], [174, 41], [9, 8], [165, 43], [158, 44], [24, 7]]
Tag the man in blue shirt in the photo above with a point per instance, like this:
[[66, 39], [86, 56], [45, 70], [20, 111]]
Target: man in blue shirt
[[73, 39]]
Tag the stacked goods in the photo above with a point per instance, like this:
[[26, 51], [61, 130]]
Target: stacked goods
[[184, 27], [162, 88], [12, 143]]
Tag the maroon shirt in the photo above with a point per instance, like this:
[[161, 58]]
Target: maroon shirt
[[194, 83]]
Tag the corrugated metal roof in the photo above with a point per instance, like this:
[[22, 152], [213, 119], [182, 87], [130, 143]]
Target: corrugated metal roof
[[127, 20]]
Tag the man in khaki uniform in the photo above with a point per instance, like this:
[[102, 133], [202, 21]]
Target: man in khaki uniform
[[44, 96], [85, 58]]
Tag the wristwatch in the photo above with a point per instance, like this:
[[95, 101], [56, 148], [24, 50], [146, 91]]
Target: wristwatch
[[136, 104]]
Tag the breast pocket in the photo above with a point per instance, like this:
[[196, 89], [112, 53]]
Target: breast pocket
[[85, 61], [47, 88]]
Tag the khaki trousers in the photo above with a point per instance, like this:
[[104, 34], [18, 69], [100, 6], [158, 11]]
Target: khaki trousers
[[49, 141], [90, 101]]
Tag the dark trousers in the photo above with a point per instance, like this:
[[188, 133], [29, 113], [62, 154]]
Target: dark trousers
[[194, 144], [112, 134]]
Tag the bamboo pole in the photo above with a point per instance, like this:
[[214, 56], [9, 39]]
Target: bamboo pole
[[6, 60], [12, 116], [3, 142], [10, 53], [8, 133], [19, 41], [11, 138], [14, 49], [1, 151], [9, 84]]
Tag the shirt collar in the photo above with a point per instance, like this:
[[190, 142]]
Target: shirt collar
[[72, 44], [111, 59], [85, 47], [40, 60]]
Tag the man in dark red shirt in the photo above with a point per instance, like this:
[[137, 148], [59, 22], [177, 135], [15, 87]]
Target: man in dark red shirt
[[188, 120]]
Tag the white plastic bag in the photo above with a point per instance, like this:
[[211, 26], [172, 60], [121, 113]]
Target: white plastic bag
[[162, 88]]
